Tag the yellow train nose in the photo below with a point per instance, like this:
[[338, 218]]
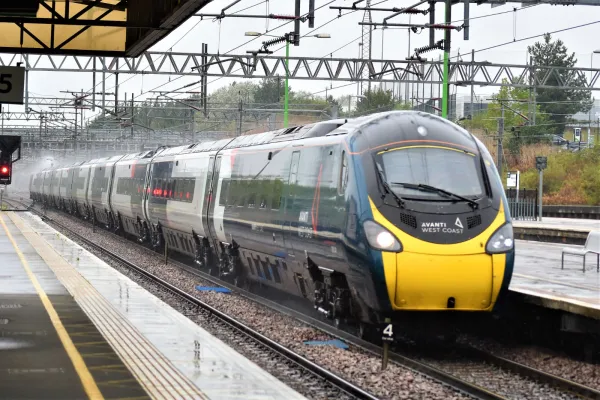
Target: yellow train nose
[[435, 282], [443, 282]]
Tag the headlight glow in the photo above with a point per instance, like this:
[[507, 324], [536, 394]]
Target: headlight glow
[[380, 238], [501, 241]]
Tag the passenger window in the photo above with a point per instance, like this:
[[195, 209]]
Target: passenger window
[[343, 180], [277, 192], [224, 190]]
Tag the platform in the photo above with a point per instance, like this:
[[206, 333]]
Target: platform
[[556, 230], [539, 277], [125, 342]]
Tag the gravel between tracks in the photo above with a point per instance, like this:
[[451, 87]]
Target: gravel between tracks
[[577, 371], [354, 364], [495, 379]]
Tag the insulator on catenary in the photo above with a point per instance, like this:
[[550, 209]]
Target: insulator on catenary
[[274, 41], [438, 45]]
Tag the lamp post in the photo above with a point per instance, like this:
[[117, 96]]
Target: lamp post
[[288, 38]]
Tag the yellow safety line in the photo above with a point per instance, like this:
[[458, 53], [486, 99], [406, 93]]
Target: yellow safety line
[[88, 382]]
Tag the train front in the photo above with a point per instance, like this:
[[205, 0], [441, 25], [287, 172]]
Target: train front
[[437, 223]]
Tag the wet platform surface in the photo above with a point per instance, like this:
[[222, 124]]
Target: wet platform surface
[[538, 273], [169, 355], [43, 334], [563, 224]]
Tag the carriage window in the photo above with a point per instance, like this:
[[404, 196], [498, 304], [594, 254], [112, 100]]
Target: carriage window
[[343, 180], [224, 192], [277, 191], [252, 189]]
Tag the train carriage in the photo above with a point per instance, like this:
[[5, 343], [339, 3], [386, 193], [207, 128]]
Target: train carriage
[[79, 189], [101, 174], [388, 215], [128, 192]]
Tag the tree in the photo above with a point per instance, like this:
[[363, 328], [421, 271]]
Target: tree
[[231, 95], [559, 103], [518, 124], [271, 91], [375, 101]]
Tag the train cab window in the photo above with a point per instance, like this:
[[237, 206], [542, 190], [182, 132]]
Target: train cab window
[[343, 180]]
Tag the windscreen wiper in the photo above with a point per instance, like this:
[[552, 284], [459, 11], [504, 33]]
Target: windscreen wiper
[[429, 188], [387, 188]]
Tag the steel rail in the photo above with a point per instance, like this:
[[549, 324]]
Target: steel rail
[[319, 371], [434, 373]]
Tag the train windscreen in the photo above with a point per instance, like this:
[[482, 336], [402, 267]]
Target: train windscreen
[[448, 169]]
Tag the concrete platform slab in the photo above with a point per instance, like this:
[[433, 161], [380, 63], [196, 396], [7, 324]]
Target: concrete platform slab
[[170, 355], [556, 230], [538, 274], [49, 349]]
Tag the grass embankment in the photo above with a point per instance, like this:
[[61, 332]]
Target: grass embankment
[[572, 178]]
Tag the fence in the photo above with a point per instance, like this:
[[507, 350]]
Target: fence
[[523, 204]]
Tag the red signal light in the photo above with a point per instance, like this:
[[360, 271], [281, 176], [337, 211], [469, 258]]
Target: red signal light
[[4, 170]]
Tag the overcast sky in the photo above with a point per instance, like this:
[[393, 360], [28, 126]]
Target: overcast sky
[[485, 32]]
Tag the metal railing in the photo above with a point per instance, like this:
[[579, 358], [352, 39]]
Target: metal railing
[[523, 204]]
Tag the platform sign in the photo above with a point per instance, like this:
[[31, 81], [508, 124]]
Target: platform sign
[[512, 180], [387, 331], [12, 85]]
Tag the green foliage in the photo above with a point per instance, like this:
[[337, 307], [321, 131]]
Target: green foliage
[[571, 178], [232, 94], [402, 106], [559, 103], [375, 101], [271, 91]]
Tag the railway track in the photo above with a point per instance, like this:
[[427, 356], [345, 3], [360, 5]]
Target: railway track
[[460, 367]]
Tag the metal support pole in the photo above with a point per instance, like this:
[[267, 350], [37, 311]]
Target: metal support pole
[[500, 136], [386, 350], [241, 109], [94, 87], [446, 88], [472, 88], [204, 79], [540, 193], [296, 37], [116, 93], [103, 91], [431, 21], [132, 97], [26, 84], [466, 19], [286, 95]]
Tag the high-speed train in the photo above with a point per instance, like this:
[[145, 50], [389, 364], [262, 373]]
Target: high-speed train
[[367, 218]]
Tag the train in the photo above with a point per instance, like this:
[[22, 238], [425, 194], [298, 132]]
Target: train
[[368, 218]]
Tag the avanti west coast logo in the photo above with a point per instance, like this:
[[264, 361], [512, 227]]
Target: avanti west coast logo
[[442, 227]]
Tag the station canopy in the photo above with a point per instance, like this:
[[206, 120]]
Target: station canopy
[[90, 27]]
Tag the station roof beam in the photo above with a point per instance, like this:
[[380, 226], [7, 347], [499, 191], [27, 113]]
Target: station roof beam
[[120, 28]]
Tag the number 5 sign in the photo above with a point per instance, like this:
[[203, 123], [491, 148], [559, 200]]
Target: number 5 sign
[[12, 85]]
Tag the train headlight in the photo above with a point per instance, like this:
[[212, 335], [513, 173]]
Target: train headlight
[[380, 238], [501, 241]]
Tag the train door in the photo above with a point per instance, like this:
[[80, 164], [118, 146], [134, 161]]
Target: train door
[[207, 196], [288, 208], [215, 210], [147, 189]]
